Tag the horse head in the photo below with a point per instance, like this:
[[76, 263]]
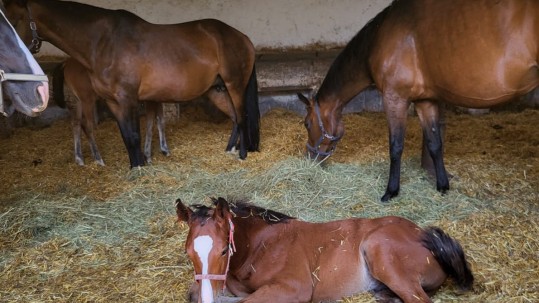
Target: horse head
[[25, 82], [324, 128], [209, 245]]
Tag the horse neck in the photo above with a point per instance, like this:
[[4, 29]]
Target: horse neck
[[79, 32], [248, 235], [350, 73], [342, 83]]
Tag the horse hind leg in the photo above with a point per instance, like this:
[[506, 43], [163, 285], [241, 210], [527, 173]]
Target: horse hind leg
[[154, 111], [429, 117], [161, 130], [219, 96]]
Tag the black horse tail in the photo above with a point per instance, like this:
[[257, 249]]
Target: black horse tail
[[58, 85], [449, 255], [251, 122]]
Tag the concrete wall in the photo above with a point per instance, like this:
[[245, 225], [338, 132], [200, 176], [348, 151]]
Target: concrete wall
[[271, 25]]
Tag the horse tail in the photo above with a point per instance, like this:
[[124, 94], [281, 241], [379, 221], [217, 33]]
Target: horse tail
[[58, 85], [251, 122], [449, 255]]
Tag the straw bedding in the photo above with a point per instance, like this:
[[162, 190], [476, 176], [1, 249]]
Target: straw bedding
[[107, 234]]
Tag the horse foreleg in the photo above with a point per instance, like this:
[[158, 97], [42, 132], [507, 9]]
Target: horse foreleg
[[129, 123], [89, 122], [76, 111], [88, 126], [428, 113], [396, 112]]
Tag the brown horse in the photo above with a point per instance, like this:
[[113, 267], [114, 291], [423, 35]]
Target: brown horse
[[83, 108], [26, 85], [466, 53], [130, 60], [266, 256]]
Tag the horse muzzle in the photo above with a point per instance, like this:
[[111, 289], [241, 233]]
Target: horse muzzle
[[317, 153]]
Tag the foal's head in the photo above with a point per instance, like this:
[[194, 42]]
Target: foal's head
[[209, 245]]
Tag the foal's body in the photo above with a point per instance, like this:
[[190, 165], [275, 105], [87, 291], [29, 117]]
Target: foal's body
[[276, 258], [83, 110], [338, 259]]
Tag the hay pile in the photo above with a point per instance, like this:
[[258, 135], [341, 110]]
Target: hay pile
[[107, 234]]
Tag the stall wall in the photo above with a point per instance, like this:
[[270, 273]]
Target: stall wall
[[271, 25]]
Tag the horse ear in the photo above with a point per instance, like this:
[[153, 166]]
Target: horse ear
[[184, 213], [304, 99], [222, 210]]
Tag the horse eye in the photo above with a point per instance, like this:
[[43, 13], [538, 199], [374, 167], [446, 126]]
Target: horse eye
[[307, 124], [225, 250]]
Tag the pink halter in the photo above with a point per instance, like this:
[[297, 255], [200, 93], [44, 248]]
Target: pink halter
[[231, 251]]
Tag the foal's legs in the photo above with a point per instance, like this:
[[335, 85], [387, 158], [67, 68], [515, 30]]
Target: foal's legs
[[88, 125], [396, 109], [83, 116], [428, 112], [153, 110]]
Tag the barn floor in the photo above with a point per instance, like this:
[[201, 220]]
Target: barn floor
[[107, 234]]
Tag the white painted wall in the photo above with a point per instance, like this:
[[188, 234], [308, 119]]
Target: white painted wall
[[271, 24]]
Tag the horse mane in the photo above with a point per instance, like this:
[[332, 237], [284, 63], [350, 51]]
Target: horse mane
[[243, 209], [353, 59]]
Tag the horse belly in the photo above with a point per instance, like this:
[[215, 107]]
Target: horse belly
[[179, 78], [344, 274], [468, 53], [489, 89]]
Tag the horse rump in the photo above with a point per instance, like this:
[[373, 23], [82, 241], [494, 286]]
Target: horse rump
[[450, 255]]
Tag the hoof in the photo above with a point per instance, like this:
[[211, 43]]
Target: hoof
[[443, 189], [100, 162], [389, 195], [233, 151], [79, 161]]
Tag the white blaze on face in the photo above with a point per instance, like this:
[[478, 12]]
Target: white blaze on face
[[203, 246], [36, 69]]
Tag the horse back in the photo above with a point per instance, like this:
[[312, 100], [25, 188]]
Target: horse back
[[176, 62], [458, 50]]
